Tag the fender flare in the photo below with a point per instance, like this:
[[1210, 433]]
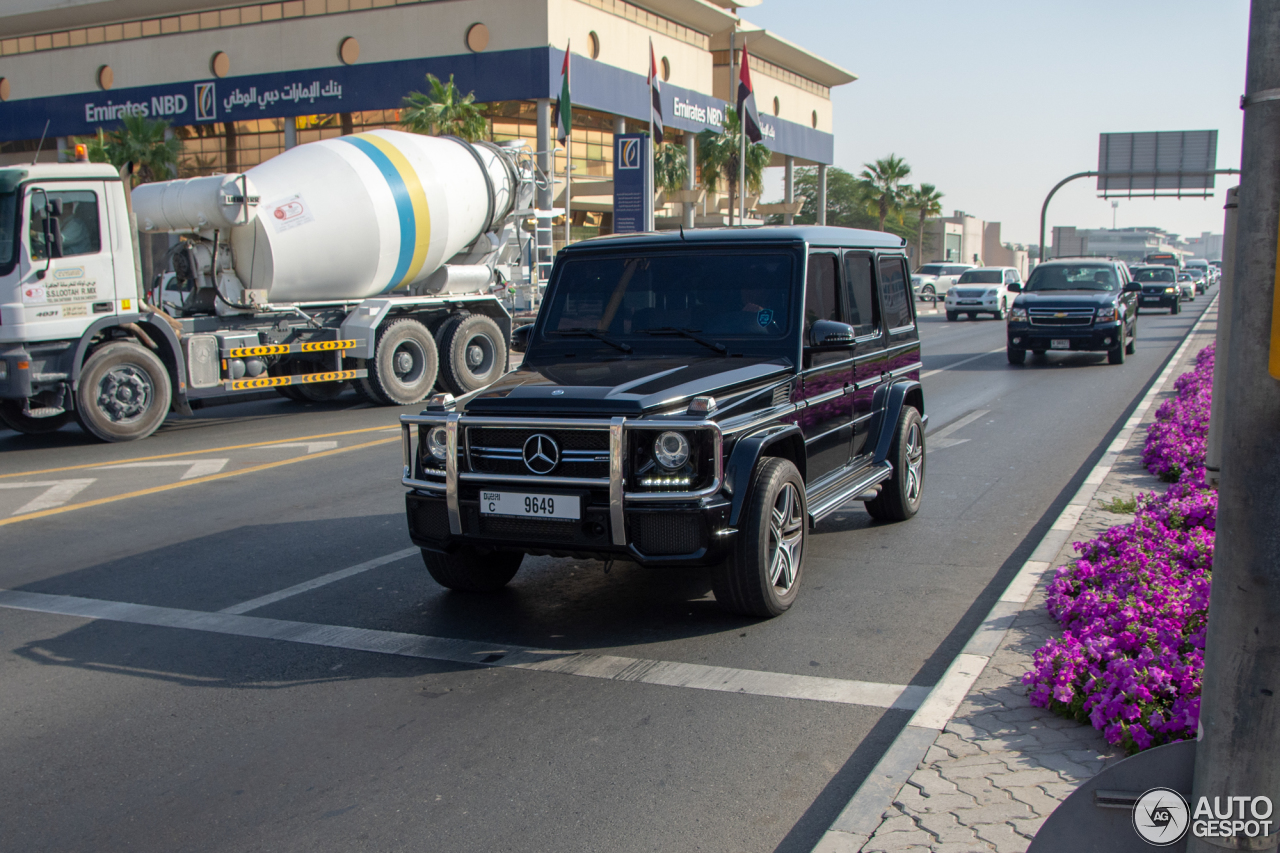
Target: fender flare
[[894, 398], [746, 453], [171, 354]]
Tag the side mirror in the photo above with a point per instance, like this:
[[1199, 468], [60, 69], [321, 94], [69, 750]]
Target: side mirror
[[520, 337], [1015, 287], [1133, 287], [829, 333]]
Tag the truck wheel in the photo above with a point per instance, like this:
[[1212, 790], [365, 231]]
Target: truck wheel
[[1016, 356], [289, 392], [471, 569], [11, 416], [403, 368], [124, 393], [761, 576], [900, 498], [472, 353]]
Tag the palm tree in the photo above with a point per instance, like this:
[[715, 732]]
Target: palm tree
[[671, 167], [720, 152], [444, 112], [884, 178], [142, 142], [926, 201]]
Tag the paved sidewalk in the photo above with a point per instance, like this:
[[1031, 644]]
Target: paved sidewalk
[[1001, 766]]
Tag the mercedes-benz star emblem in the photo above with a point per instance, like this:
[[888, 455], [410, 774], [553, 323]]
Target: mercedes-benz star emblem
[[541, 453]]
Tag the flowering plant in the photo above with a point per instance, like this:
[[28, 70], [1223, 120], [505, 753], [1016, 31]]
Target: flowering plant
[[1133, 605]]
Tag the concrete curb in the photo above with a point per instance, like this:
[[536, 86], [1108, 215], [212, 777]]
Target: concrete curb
[[864, 812]]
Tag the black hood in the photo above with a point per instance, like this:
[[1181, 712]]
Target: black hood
[[630, 386], [1066, 299]]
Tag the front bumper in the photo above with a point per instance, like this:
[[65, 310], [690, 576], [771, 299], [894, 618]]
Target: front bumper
[[1098, 337], [1158, 300], [665, 528], [985, 305]]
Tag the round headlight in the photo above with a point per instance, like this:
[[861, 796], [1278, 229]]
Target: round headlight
[[671, 450], [437, 443]]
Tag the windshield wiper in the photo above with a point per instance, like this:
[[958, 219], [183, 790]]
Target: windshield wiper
[[594, 333], [691, 334]]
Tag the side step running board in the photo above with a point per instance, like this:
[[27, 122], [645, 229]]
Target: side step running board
[[827, 500]]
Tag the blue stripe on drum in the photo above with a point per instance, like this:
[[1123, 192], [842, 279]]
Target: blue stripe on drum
[[404, 206]]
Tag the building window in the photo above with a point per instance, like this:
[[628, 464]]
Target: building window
[[777, 106], [477, 38], [666, 69], [593, 44]]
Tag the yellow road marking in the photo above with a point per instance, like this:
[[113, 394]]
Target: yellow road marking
[[194, 452], [181, 483]]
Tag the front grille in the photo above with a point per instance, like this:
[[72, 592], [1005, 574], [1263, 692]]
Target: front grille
[[1154, 291], [1067, 317], [499, 450], [664, 534], [537, 529], [968, 294]]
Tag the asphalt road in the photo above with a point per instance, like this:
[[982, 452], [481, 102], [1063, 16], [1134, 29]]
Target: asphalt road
[[159, 728]]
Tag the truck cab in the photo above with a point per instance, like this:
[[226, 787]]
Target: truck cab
[[695, 399]]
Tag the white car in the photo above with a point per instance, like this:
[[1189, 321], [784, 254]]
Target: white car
[[936, 279], [982, 290]]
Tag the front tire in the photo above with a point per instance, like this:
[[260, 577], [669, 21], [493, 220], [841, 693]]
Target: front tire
[[1004, 308], [761, 576], [1116, 354], [11, 416], [472, 353], [1016, 356], [1132, 347], [124, 393], [471, 569], [952, 316], [404, 364], [1176, 309], [902, 493]]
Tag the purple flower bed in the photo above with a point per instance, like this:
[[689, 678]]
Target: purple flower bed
[[1133, 605]]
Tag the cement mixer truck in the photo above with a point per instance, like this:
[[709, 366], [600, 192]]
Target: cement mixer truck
[[380, 259]]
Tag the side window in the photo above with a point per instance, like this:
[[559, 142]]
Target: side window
[[821, 302], [860, 288], [896, 296], [81, 234]]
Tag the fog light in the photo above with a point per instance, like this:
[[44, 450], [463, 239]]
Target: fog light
[[1107, 341], [1017, 340]]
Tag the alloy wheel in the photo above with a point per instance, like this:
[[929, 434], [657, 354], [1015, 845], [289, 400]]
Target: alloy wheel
[[915, 463], [786, 537]]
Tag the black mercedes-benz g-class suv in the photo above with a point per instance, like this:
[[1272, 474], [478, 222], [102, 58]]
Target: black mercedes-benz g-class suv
[[1074, 305], [695, 399]]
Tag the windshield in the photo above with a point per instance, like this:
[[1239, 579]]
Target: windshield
[[1072, 277], [930, 269], [981, 277], [719, 295], [1153, 275], [8, 229]]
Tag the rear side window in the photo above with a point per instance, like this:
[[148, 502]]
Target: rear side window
[[821, 301], [864, 307], [897, 299]]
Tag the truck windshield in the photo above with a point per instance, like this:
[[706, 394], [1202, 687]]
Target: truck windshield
[[8, 229], [716, 295], [1064, 277]]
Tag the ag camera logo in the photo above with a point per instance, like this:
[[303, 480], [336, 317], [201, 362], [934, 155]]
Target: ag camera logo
[[1160, 817]]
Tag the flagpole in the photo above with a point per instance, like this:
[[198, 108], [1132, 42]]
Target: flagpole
[[733, 88], [742, 148], [568, 184]]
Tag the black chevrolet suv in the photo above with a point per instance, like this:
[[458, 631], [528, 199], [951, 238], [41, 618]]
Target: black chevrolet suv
[[695, 399], [1072, 305]]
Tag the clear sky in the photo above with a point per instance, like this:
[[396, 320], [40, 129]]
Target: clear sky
[[995, 101]]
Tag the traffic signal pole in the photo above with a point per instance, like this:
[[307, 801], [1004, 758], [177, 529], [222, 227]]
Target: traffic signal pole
[[1238, 753]]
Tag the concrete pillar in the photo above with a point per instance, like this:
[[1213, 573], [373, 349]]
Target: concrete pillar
[[691, 151], [62, 150], [789, 188], [290, 132], [822, 194], [619, 124], [544, 153]]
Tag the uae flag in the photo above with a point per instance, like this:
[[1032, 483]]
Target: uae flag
[[747, 113], [655, 97], [563, 119]]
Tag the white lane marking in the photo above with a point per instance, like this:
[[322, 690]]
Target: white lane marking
[[311, 446], [607, 667], [929, 373], [941, 438], [56, 493], [947, 694], [195, 467], [316, 583]]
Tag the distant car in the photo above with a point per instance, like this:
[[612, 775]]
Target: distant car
[[1187, 286], [936, 278], [1159, 287], [1077, 305], [984, 290], [1199, 278]]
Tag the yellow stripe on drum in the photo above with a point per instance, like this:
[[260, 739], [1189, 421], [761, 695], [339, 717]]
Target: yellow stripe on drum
[[418, 197]]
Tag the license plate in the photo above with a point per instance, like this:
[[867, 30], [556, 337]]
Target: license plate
[[1059, 343], [530, 506], [971, 302], [1151, 299]]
